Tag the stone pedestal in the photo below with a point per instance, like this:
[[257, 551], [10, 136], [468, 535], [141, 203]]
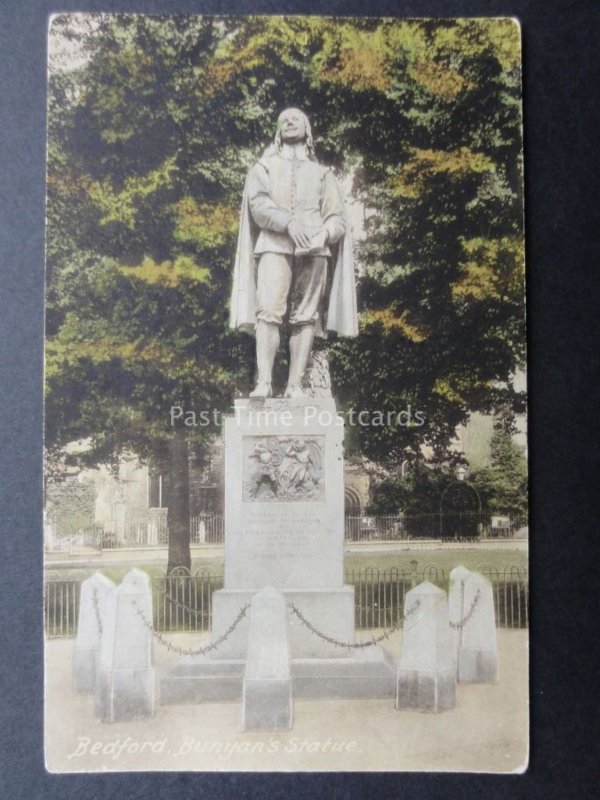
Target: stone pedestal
[[426, 673], [284, 496], [284, 520], [92, 600], [284, 528], [267, 691], [125, 685], [474, 627]]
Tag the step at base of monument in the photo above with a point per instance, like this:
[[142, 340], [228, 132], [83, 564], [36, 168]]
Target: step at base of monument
[[367, 675], [317, 678], [203, 682]]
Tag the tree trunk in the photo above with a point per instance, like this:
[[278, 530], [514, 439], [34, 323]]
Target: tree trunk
[[178, 515]]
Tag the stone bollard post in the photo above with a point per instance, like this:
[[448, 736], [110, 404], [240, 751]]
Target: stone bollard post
[[473, 620], [125, 685], [458, 576], [94, 591], [426, 674], [267, 692]]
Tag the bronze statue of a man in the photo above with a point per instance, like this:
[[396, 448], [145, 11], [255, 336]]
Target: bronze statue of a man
[[294, 256]]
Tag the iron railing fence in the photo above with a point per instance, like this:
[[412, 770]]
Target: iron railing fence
[[209, 529], [135, 532], [379, 594], [131, 532], [183, 601], [511, 595], [467, 526], [61, 604]]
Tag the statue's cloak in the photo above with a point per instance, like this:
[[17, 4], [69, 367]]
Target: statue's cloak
[[340, 311]]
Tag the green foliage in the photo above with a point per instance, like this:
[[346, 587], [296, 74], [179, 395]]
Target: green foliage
[[442, 294], [70, 505], [142, 212], [503, 485], [150, 138], [417, 493]]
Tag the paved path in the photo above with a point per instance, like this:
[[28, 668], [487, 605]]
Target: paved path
[[487, 732]]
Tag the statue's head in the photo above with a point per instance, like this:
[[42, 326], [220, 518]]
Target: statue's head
[[293, 127]]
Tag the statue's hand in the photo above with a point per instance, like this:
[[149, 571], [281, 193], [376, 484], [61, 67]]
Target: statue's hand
[[299, 234]]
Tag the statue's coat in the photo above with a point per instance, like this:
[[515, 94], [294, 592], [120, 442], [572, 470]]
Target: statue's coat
[[341, 315]]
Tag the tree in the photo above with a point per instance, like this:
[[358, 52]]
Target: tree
[[503, 485], [426, 115], [138, 267], [442, 291], [150, 136], [70, 505]]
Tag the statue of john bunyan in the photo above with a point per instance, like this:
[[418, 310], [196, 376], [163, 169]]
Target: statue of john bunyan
[[294, 259]]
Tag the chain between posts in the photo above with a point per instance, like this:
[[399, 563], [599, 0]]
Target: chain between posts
[[469, 614], [181, 605], [182, 651], [96, 605], [374, 640]]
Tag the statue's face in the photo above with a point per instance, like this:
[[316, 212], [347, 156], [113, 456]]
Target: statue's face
[[292, 124]]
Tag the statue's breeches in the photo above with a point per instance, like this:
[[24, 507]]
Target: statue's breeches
[[301, 280]]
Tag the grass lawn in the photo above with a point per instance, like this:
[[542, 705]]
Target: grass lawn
[[442, 559]]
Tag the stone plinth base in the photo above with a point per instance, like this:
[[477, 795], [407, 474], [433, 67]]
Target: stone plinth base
[[331, 611], [477, 666], [367, 674], [203, 681], [85, 660], [426, 690], [124, 694]]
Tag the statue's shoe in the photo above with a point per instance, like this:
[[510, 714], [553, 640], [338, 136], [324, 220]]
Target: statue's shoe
[[295, 393], [263, 390]]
